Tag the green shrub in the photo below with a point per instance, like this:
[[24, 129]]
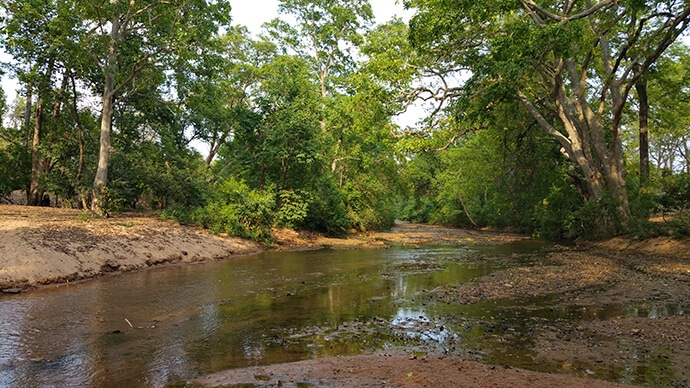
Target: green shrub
[[555, 214], [241, 211], [675, 191], [416, 209], [292, 208], [598, 219], [327, 212], [15, 169]]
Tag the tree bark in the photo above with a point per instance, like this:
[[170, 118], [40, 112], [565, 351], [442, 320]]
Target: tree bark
[[35, 194], [100, 181], [80, 137], [36, 190], [27, 115], [643, 115]]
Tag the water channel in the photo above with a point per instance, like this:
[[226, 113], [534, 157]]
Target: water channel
[[165, 325]]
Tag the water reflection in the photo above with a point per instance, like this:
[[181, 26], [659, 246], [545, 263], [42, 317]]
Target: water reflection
[[414, 323], [275, 307]]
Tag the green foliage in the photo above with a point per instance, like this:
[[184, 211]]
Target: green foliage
[[235, 209], [240, 211], [292, 208], [419, 174], [680, 226], [555, 214], [598, 219], [327, 211], [675, 191], [15, 165], [370, 204], [496, 177], [114, 198]]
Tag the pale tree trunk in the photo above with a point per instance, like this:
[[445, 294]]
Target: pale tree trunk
[[571, 147], [214, 147], [686, 154], [57, 105], [100, 182], [80, 137], [583, 140], [591, 115], [643, 115]]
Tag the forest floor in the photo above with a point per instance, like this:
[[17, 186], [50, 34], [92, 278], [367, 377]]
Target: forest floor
[[41, 246]]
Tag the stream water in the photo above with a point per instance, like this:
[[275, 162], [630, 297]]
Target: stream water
[[164, 325]]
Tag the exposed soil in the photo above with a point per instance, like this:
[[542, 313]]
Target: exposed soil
[[618, 310], [403, 233], [393, 369], [41, 246], [47, 245]]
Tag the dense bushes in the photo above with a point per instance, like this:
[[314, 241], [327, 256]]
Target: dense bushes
[[15, 168], [239, 210]]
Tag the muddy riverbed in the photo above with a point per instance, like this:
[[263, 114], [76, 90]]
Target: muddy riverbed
[[441, 307]]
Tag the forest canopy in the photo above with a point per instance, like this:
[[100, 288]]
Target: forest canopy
[[556, 118]]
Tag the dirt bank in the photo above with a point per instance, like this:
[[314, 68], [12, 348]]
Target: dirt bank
[[393, 369], [49, 245], [403, 233]]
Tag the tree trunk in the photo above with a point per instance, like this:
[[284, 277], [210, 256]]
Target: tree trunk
[[35, 194], [100, 182], [643, 115], [27, 116], [57, 105], [80, 138]]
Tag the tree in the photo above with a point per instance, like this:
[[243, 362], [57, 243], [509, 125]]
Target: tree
[[40, 37], [218, 98], [571, 64], [278, 143], [137, 40], [326, 35], [326, 32], [669, 103]]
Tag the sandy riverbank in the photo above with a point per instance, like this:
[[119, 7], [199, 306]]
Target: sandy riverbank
[[41, 246]]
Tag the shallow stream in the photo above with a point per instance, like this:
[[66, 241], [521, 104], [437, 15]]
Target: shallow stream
[[165, 325]]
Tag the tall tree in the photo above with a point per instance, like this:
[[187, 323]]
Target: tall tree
[[326, 34], [40, 36], [135, 41], [668, 87], [277, 143], [571, 64], [643, 119], [217, 98]]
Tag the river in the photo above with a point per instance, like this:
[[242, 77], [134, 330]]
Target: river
[[165, 325]]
